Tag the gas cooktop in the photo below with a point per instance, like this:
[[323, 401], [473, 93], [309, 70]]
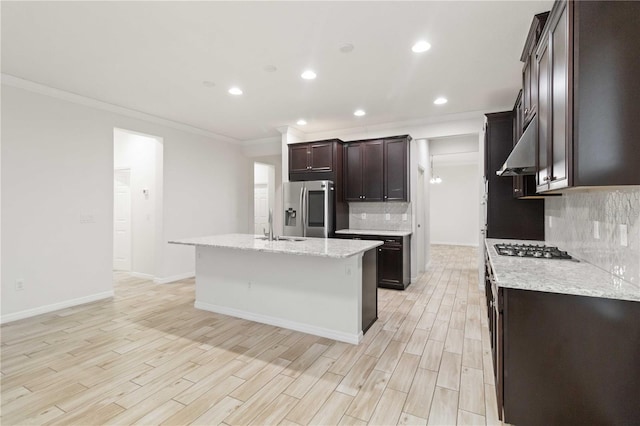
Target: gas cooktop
[[531, 250]]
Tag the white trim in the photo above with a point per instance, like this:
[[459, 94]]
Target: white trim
[[174, 278], [32, 86], [445, 243], [354, 339], [55, 307]]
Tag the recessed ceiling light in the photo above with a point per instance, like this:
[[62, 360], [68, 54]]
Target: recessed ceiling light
[[308, 75], [270, 68], [346, 48], [440, 101], [421, 46], [301, 122], [359, 113], [235, 91], [208, 83]]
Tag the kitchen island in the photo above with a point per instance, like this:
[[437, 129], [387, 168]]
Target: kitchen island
[[321, 286]]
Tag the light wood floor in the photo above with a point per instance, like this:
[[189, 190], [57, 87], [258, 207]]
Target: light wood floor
[[149, 357]]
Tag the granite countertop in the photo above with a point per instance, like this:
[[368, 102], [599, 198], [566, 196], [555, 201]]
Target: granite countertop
[[322, 247], [556, 275], [374, 232]]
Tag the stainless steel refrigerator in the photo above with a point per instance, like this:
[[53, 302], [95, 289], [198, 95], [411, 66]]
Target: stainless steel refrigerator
[[308, 208]]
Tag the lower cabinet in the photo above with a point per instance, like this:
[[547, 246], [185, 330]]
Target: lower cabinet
[[563, 359], [394, 265]]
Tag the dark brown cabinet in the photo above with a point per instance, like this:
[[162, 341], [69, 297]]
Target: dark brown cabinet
[[530, 71], [394, 259], [553, 96], [377, 169], [364, 171], [313, 157], [588, 96], [507, 217]]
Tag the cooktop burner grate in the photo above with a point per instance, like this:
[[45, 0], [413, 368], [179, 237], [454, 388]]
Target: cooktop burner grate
[[531, 250]]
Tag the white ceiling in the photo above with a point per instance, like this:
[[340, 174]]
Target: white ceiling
[[154, 56]]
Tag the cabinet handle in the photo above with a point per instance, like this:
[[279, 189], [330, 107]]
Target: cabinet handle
[[526, 110], [379, 249], [385, 197]]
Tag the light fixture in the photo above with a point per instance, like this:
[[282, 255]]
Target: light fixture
[[308, 75], [421, 46], [359, 113], [434, 179], [235, 91], [440, 101], [301, 122]]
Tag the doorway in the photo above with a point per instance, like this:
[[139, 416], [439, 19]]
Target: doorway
[[263, 195], [137, 203], [422, 222]]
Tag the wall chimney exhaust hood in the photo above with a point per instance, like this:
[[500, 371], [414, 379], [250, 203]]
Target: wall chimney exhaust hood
[[522, 160]]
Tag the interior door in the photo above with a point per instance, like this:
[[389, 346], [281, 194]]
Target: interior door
[[261, 208], [122, 219]]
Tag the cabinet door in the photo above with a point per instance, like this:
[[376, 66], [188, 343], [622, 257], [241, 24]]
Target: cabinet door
[[559, 39], [298, 157], [395, 170], [321, 157], [353, 172], [390, 265], [372, 170], [544, 115]]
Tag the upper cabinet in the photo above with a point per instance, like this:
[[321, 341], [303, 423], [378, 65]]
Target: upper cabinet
[[315, 160], [530, 71], [588, 63], [377, 169]]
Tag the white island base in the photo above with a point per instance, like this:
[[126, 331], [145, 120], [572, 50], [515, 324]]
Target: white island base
[[318, 295]]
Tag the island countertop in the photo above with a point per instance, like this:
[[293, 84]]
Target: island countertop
[[557, 276], [321, 247]]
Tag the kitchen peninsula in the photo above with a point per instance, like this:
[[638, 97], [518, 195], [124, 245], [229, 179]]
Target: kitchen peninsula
[[322, 286]]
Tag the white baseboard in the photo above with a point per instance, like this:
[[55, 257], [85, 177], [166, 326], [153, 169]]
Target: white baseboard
[[173, 278], [354, 339], [448, 243], [55, 307]]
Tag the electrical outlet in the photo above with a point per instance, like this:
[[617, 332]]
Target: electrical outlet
[[19, 285], [623, 235], [404, 216], [363, 216], [596, 229], [387, 216]]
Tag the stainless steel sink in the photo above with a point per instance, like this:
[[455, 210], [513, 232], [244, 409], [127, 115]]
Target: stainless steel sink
[[292, 239]]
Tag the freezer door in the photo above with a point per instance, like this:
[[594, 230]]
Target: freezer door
[[292, 193]]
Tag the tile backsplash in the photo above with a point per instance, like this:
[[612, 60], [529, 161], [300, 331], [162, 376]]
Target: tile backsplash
[[573, 221], [399, 218]]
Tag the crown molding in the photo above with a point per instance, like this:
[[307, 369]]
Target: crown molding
[[20, 83]]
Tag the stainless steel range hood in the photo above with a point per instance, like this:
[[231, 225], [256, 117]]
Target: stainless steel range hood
[[522, 160]]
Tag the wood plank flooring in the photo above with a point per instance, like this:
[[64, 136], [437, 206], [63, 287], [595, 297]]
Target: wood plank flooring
[[147, 356]]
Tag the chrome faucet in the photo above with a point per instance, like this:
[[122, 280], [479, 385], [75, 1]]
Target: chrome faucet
[[270, 235]]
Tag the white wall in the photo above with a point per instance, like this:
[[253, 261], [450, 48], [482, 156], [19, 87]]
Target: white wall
[[456, 201], [57, 167], [454, 204], [138, 153]]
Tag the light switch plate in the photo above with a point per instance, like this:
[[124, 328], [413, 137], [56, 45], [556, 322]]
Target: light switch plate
[[363, 216], [387, 216], [623, 235], [404, 216], [596, 229], [550, 221]]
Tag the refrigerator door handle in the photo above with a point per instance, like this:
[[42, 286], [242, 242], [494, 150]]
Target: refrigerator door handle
[[303, 198]]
